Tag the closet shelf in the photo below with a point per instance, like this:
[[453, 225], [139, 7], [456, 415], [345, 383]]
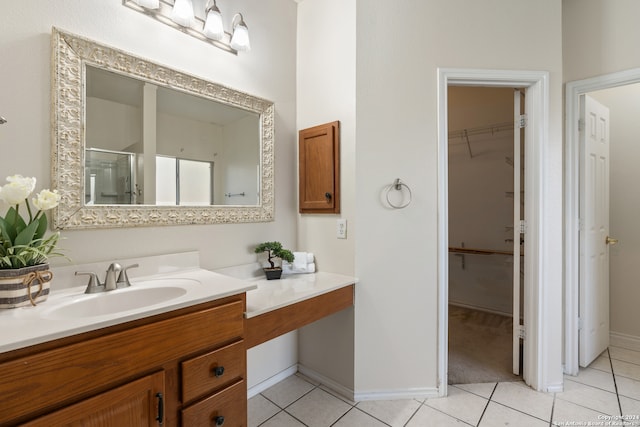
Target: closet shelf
[[492, 129], [472, 251]]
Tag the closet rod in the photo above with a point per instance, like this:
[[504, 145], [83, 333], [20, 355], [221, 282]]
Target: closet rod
[[472, 251], [494, 128]]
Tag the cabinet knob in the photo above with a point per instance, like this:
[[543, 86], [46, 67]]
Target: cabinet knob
[[219, 420], [218, 371], [327, 195]]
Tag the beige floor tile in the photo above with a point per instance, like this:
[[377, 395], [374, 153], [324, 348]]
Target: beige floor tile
[[630, 411], [460, 404], [626, 369], [318, 408], [498, 415], [628, 387], [427, 416], [283, 420], [602, 363], [338, 395], [625, 355], [288, 391], [307, 379], [589, 397], [594, 378], [357, 418], [523, 398], [393, 412], [259, 409], [481, 389], [565, 412]]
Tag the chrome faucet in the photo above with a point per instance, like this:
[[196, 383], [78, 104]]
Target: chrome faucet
[[115, 278], [111, 279]]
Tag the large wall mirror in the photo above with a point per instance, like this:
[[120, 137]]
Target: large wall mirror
[[137, 143]]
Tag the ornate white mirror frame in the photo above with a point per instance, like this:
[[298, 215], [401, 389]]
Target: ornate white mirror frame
[[70, 55]]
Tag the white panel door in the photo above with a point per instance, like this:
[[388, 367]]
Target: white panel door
[[594, 230], [517, 216]]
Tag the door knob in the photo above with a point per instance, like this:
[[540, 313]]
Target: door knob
[[611, 241]]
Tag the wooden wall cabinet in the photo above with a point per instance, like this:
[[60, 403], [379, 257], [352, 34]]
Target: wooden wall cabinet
[[319, 168], [194, 357]]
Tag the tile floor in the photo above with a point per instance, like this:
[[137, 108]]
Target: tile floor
[[596, 397]]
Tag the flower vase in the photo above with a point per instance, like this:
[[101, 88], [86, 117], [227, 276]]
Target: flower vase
[[25, 286]]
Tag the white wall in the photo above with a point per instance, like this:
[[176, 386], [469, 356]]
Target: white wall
[[267, 71], [624, 109], [399, 49], [599, 38], [326, 92]]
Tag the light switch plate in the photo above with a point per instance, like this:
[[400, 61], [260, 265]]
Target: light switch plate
[[341, 230]]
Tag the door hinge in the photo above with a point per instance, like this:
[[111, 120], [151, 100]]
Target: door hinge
[[580, 323], [523, 226], [521, 332], [580, 125], [522, 121]]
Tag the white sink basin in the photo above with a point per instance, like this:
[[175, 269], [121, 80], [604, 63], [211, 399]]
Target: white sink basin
[[139, 295]]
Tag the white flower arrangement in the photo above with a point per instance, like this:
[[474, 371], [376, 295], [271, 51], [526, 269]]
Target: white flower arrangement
[[22, 243]]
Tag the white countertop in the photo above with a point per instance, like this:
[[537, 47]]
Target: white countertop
[[25, 326], [274, 294]]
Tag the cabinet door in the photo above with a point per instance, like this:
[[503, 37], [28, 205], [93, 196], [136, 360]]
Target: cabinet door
[[135, 404], [319, 168]]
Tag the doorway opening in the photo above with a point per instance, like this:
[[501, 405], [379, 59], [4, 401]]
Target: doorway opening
[[486, 206], [616, 293], [542, 309]]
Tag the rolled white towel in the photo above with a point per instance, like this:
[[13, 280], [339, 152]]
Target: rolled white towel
[[289, 268], [299, 260], [310, 258]]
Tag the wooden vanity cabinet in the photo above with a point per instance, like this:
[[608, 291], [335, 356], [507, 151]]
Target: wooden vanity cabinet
[[194, 357], [137, 403]]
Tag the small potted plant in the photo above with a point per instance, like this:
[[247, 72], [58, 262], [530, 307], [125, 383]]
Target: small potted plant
[[24, 249], [274, 250]]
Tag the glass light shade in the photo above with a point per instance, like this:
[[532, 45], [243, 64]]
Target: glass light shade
[[149, 4], [182, 13], [213, 28], [240, 38]]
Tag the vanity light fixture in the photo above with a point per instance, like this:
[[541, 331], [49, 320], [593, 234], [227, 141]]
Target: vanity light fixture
[[213, 28], [149, 4], [240, 37], [204, 23], [182, 13]]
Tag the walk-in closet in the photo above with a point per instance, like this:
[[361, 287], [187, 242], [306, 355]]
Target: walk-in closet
[[485, 148]]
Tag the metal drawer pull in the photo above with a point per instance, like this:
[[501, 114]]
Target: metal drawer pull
[[219, 420], [218, 371], [160, 416]]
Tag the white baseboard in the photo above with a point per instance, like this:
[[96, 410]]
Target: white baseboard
[[630, 342], [327, 382], [411, 393], [260, 387], [555, 388]]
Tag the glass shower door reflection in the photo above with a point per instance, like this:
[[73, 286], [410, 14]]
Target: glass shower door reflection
[[109, 177]]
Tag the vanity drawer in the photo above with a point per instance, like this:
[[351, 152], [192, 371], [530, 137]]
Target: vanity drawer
[[204, 374], [228, 407]]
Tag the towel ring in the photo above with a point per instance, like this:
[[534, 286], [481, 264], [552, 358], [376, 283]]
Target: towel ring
[[397, 185]]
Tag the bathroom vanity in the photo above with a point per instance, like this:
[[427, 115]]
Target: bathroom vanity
[[180, 362], [177, 362]]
